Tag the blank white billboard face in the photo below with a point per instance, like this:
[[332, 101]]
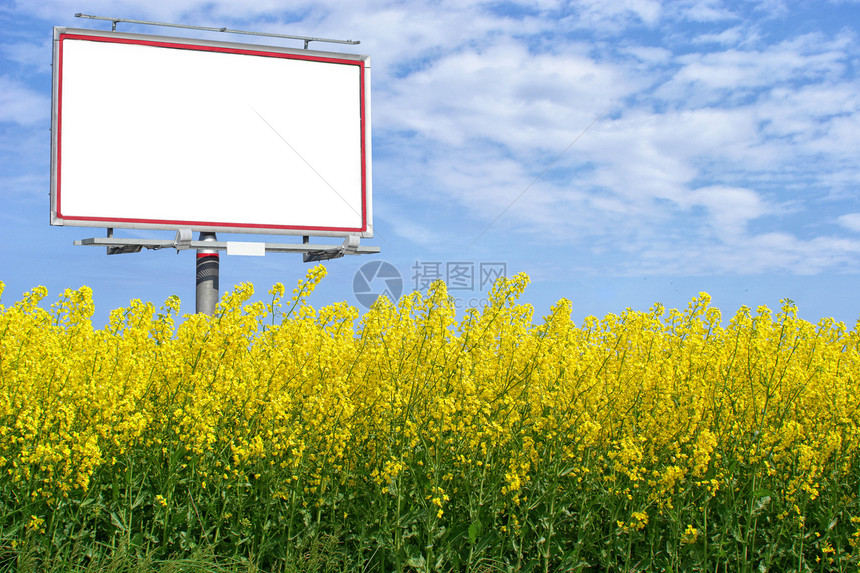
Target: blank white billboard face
[[167, 133]]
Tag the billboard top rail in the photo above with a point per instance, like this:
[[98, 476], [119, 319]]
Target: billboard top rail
[[306, 39]]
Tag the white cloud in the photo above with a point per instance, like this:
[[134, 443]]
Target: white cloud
[[504, 94], [850, 221], [646, 156], [730, 208], [414, 232], [650, 55], [750, 255], [734, 75], [619, 13], [706, 11], [22, 105], [29, 54], [24, 185], [729, 37]]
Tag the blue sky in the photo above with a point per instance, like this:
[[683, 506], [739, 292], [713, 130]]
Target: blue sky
[[621, 153]]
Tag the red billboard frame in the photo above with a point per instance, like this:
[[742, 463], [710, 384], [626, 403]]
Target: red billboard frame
[[359, 222]]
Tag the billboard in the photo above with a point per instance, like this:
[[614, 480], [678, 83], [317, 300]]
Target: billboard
[[154, 132]]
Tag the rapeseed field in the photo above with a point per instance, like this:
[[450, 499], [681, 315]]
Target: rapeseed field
[[282, 437]]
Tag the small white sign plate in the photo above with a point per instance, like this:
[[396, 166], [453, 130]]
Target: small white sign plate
[[247, 249]]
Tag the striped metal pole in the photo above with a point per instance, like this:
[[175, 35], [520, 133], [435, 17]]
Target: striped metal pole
[[208, 267]]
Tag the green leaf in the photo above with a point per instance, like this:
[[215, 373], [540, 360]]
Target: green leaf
[[474, 531], [764, 493]]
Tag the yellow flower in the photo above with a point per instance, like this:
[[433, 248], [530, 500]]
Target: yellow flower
[[690, 535], [36, 525]]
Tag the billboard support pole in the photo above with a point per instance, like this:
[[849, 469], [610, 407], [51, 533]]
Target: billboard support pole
[[208, 267]]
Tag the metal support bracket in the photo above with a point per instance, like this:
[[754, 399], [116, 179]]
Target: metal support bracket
[[311, 252], [182, 240], [122, 249], [349, 247]]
